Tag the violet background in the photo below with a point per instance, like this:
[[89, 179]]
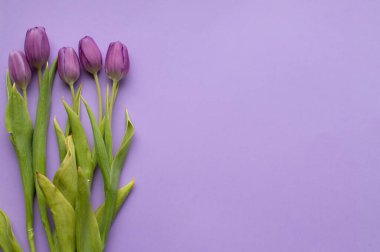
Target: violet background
[[258, 122]]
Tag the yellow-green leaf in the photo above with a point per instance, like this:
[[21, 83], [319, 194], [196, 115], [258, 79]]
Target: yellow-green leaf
[[61, 140], [8, 241], [122, 195], [66, 177], [62, 212], [82, 148], [87, 229]]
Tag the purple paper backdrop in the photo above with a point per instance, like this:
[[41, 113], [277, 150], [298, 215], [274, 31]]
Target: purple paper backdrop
[[258, 122]]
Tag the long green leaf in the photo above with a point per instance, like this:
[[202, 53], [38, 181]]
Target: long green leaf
[[108, 135], [19, 126], [87, 229], [53, 70], [110, 185], [62, 212], [61, 140], [122, 195], [116, 168], [40, 140], [8, 241], [107, 127], [77, 102], [121, 155], [75, 107], [66, 177], [82, 148], [8, 84], [101, 152]]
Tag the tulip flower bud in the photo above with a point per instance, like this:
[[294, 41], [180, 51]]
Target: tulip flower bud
[[117, 61], [90, 55], [19, 69], [68, 65], [37, 48]]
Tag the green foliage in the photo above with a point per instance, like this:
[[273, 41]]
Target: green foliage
[[76, 226], [63, 214], [20, 129], [87, 230], [66, 178], [40, 140], [8, 241]]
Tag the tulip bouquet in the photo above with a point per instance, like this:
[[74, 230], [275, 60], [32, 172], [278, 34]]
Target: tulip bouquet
[[76, 227]]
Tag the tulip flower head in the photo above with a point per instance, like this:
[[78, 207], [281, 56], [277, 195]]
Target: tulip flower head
[[19, 69], [90, 55], [68, 65], [37, 48], [117, 61]]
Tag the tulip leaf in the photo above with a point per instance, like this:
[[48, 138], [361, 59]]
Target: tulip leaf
[[82, 148], [61, 140], [110, 182], [106, 123], [53, 70], [40, 140], [65, 178], [101, 152], [8, 241], [121, 155], [87, 229], [122, 194], [108, 135], [9, 84], [76, 104], [62, 212], [20, 129], [75, 107], [18, 120]]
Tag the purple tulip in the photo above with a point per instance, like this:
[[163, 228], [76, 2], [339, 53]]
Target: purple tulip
[[19, 69], [68, 65], [90, 55], [117, 61], [37, 48]]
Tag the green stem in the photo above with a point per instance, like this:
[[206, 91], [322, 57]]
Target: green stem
[[100, 102], [67, 130], [115, 88], [30, 231], [39, 73], [72, 93]]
